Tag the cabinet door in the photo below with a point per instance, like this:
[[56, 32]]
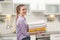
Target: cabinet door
[[33, 37], [7, 8], [59, 8], [14, 38], [42, 5], [37, 5], [0, 8], [1, 38], [21, 1], [9, 38], [55, 37]]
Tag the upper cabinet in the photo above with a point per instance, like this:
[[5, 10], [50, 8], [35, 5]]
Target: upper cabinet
[[6, 7], [37, 5], [59, 8], [0, 8], [5, 0], [21, 1], [52, 8], [8, 0], [52, 1]]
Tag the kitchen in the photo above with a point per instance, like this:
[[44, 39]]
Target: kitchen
[[41, 13]]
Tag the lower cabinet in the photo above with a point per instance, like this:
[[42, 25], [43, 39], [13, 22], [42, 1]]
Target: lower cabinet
[[55, 36], [8, 38], [33, 37]]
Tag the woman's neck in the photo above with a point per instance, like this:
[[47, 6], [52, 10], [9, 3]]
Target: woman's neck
[[21, 16]]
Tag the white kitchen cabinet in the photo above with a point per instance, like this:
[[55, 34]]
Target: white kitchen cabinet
[[37, 5], [33, 37], [8, 0], [5, 0], [21, 1], [0, 8], [52, 8], [8, 38], [55, 37], [52, 1], [42, 5], [6, 7], [59, 8], [13, 37]]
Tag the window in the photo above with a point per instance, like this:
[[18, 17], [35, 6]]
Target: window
[[52, 8]]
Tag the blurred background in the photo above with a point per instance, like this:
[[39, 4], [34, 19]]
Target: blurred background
[[43, 16]]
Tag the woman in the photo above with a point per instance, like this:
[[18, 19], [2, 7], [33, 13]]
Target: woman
[[21, 25]]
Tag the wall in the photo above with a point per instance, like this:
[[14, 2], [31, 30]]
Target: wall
[[33, 17], [51, 26]]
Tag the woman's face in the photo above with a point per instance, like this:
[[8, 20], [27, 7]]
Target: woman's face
[[23, 10]]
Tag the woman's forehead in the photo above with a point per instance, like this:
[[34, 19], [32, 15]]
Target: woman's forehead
[[23, 7]]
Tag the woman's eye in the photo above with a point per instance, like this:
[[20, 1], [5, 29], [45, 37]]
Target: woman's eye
[[24, 9]]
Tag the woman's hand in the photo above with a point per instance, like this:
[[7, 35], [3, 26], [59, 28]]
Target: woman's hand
[[37, 32]]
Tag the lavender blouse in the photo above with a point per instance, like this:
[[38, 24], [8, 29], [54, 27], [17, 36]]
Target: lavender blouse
[[21, 28]]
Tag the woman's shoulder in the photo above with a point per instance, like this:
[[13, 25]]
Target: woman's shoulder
[[20, 19]]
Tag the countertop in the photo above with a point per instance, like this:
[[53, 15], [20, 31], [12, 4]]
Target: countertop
[[47, 33], [8, 35]]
